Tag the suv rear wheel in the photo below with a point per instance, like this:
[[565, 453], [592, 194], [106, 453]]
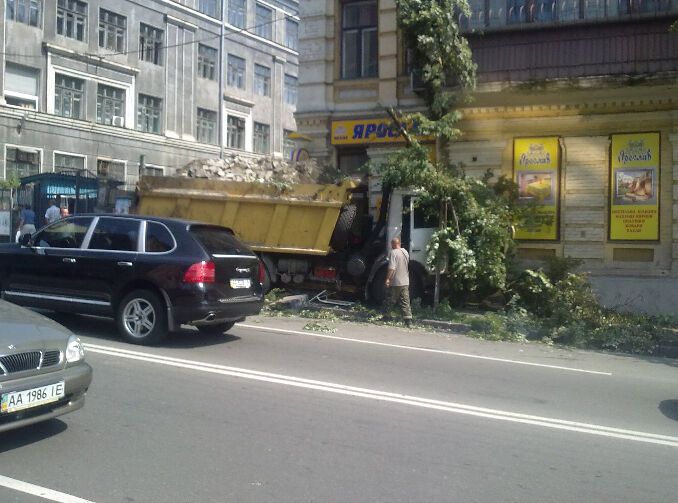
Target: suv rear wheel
[[141, 318]]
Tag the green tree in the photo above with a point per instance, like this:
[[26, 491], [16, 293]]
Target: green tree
[[475, 241]]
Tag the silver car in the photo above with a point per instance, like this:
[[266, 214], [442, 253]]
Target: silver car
[[43, 373]]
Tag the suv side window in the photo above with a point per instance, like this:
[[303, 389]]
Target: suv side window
[[158, 238], [120, 234], [64, 233]]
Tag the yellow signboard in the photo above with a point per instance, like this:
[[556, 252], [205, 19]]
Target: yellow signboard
[[369, 131], [536, 170], [634, 187]]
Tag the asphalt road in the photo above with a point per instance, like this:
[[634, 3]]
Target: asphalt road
[[274, 413]]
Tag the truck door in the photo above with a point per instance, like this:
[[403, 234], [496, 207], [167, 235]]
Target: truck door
[[423, 223]]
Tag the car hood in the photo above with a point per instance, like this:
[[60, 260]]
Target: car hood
[[28, 330]]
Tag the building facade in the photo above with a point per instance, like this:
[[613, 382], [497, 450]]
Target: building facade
[[122, 86], [576, 101]]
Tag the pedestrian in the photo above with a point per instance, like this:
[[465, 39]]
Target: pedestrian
[[53, 213], [398, 280], [27, 221]]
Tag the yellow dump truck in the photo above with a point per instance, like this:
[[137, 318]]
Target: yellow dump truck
[[320, 235]]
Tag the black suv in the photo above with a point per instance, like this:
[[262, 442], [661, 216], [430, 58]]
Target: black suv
[[151, 274]]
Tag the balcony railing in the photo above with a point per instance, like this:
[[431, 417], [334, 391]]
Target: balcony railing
[[497, 14]]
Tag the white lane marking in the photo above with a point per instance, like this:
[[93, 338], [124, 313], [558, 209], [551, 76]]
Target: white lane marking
[[384, 396], [41, 492], [427, 350]]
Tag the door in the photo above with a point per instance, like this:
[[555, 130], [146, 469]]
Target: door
[[423, 223], [109, 261], [42, 275]]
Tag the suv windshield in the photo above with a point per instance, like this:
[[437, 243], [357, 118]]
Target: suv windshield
[[218, 240]]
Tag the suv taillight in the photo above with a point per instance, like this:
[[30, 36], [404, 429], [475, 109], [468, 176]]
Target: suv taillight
[[201, 272], [262, 272]]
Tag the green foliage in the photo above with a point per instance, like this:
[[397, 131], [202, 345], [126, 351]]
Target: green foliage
[[12, 182]]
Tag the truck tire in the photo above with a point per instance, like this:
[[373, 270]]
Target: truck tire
[[342, 230], [378, 288]]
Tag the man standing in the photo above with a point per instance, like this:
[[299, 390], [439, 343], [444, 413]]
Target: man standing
[[53, 213], [27, 221], [398, 279]]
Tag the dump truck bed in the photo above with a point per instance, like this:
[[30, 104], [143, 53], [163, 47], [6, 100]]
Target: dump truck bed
[[300, 220]]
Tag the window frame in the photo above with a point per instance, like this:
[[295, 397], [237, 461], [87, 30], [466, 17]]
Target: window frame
[[240, 134], [360, 31], [27, 149], [289, 91], [122, 100], [151, 40], [204, 7], [265, 139], [72, 92], [295, 45], [68, 154], [147, 110], [263, 27], [239, 74], [33, 99], [27, 12], [69, 8], [105, 27], [262, 87], [208, 60], [201, 115], [235, 14], [112, 161]]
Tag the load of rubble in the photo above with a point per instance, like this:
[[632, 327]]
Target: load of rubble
[[239, 168]]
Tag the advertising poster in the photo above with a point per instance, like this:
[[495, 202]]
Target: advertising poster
[[5, 223], [536, 170], [634, 187]]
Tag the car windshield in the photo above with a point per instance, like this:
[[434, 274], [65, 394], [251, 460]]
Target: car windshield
[[218, 240]]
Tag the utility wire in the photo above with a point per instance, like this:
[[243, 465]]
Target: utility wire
[[231, 32]]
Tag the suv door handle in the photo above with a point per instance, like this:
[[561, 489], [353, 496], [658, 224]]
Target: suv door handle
[[69, 260], [416, 249], [125, 264]]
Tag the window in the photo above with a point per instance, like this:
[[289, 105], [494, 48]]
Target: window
[[24, 11], [71, 19], [262, 80], [64, 234], [207, 126], [112, 31], [69, 97], [236, 72], [120, 234], [291, 34], [153, 171], [149, 112], [262, 138], [209, 7], [150, 44], [290, 91], [359, 40], [110, 105], [236, 132], [263, 23], [289, 145], [158, 238], [207, 62], [21, 86], [530, 11], [65, 162], [216, 240], [237, 13], [21, 162], [111, 169]]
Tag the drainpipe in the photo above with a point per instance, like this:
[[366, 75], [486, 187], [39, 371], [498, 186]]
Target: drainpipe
[[220, 112]]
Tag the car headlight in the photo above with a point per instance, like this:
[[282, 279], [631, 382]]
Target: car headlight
[[74, 350]]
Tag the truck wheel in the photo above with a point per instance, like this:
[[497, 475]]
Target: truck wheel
[[342, 230], [416, 286], [378, 288]]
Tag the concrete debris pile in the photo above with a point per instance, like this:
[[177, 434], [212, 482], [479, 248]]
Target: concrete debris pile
[[249, 169]]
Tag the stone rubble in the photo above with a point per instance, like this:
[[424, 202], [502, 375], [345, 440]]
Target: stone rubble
[[250, 169]]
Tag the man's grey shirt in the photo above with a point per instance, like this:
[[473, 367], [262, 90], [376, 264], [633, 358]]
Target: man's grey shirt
[[399, 261]]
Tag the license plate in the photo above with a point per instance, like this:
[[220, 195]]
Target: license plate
[[20, 400], [241, 283]]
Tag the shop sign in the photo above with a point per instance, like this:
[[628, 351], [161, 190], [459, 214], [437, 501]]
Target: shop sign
[[369, 131], [536, 171], [634, 187]]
